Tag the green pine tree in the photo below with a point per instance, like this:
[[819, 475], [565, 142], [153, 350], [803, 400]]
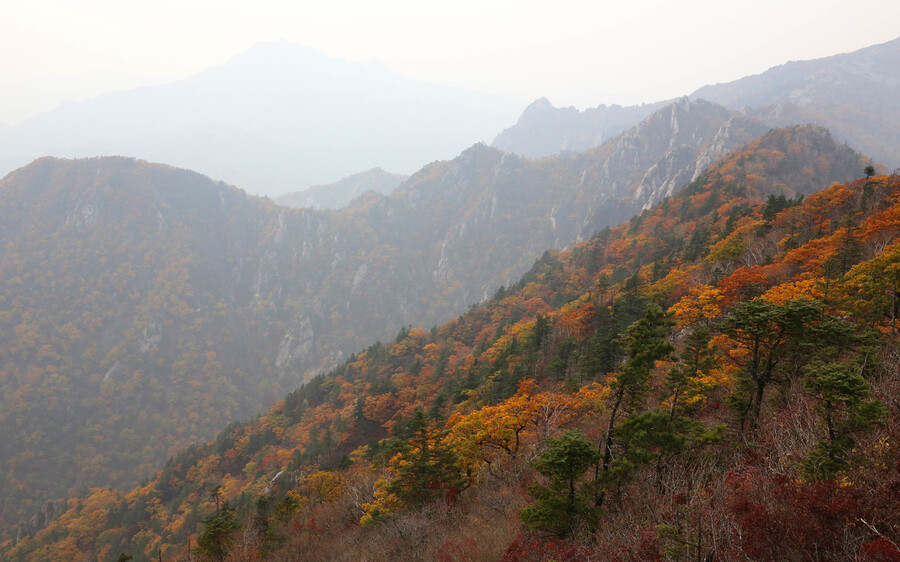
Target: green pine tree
[[561, 503], [846, 406], [646, 344], [428, 471], [214, 541]]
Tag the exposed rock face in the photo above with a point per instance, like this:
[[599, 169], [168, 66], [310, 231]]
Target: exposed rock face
[[39, 520], [83, 214], [113, 371], [151, 337], [296, 344], [676, 168], [668, 149]]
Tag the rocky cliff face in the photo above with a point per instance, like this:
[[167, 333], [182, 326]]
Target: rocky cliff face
[[663, 152], [144, 307], [678, 142], [47, 512]]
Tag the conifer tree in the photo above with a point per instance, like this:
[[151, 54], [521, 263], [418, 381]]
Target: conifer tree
[[426, 470], [645, 342], [561, 504], [214, 541], [846, 406]]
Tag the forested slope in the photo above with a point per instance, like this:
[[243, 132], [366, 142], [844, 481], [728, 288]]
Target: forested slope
[[717, 376], [146, 306]]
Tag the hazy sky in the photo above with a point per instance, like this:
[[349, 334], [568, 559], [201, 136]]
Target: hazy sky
[[574, 52]]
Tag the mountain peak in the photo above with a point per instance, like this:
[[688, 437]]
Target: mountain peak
[[478, 148], [269, 52], [478, 152], [537, 106], [278, 117]]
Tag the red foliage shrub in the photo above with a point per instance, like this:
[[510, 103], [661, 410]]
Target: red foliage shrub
[[528, 548], [643, 547], [781, 519], [456, 551], [880, 550], [881, 503]]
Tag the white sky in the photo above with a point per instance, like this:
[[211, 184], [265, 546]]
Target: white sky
[[574, 52]]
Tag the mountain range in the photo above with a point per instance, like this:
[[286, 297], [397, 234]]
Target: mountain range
[[281, 118], [479, 439], [851, 94], [144, 306], [152, 301], [275, 119]]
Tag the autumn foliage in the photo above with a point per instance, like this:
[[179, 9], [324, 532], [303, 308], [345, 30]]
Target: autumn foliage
[[694, 359]]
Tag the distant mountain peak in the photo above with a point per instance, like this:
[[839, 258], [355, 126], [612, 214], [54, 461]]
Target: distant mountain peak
[[342, 192], [479, 148], [545, 130], [281, 48], [851, 94], [538, 105], [278, 117]]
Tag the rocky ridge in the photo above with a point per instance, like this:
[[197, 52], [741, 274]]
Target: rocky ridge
[[852, 94]]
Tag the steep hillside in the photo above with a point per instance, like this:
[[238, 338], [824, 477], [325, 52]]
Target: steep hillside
[[130, 297], [275, 119], [339, 194], [853, 94], [146, 306], [757, 419], [545, 130]]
